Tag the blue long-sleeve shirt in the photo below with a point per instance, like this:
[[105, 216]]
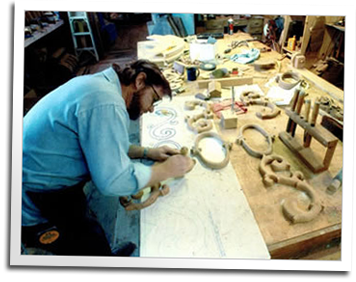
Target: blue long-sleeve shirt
[[79, 131]]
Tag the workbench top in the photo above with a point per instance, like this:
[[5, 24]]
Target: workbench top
[[283, 239]]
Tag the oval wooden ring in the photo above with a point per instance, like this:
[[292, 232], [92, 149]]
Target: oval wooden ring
[[288, 85], [210, 164], [254, 153]]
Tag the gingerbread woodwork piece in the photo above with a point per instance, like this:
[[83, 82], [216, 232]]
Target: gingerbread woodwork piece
[[242, 141], [252, 98], [198, 152], [200, 122], [156, 191], [275, 170]]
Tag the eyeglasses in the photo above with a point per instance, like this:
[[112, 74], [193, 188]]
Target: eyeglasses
[[156, 98]]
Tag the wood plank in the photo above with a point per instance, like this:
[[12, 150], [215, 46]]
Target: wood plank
[[309, 22], [226, 82], [283, 37], [333, 91], [300, 246]]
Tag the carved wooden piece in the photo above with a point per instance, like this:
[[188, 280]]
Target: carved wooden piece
[[190, 105], [283, 80], [241, 141], [155, 191], [197, 151], [269, 165], [200, 123], [251, 98]]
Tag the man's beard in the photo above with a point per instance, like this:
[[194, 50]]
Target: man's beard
[[134, 109]]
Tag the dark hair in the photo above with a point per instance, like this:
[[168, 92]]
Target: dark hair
[[154, 76]]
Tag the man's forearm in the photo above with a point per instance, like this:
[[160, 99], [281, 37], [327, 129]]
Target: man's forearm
[[137, 152], [159, 173]]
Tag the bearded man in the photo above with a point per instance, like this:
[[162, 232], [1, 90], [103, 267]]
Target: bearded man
[[78, 133]]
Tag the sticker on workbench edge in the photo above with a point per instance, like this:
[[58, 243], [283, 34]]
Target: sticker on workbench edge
[[49, 237]]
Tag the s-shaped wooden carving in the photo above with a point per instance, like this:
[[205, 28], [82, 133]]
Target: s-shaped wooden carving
[[155, 191], [251, 98], [200, 123], [269, 165], [190, 105]]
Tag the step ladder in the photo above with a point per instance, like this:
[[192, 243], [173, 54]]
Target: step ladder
[[82, 34]]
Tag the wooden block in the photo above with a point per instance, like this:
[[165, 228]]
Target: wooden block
[[226, 82], [228, 119], [215, 89]]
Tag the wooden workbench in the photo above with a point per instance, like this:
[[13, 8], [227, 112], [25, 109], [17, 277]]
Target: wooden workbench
[[284, 240]]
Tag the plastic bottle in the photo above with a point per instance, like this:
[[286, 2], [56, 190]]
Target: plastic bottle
[[231, 26], [291, 43]]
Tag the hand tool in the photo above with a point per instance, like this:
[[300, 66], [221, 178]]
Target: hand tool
[[297, 111], [294, 104], [308, 137]]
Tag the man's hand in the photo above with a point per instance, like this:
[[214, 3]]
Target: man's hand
[[174, 166], [178, 165], [161, 153]]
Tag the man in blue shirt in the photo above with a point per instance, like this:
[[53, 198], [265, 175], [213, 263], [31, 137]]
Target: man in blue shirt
[[80, 132]]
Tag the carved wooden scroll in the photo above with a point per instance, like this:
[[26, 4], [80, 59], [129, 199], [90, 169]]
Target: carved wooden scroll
[[269, 168], [190, 105], [197, 151], [156, 191], [200, 123], [252, 98]]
